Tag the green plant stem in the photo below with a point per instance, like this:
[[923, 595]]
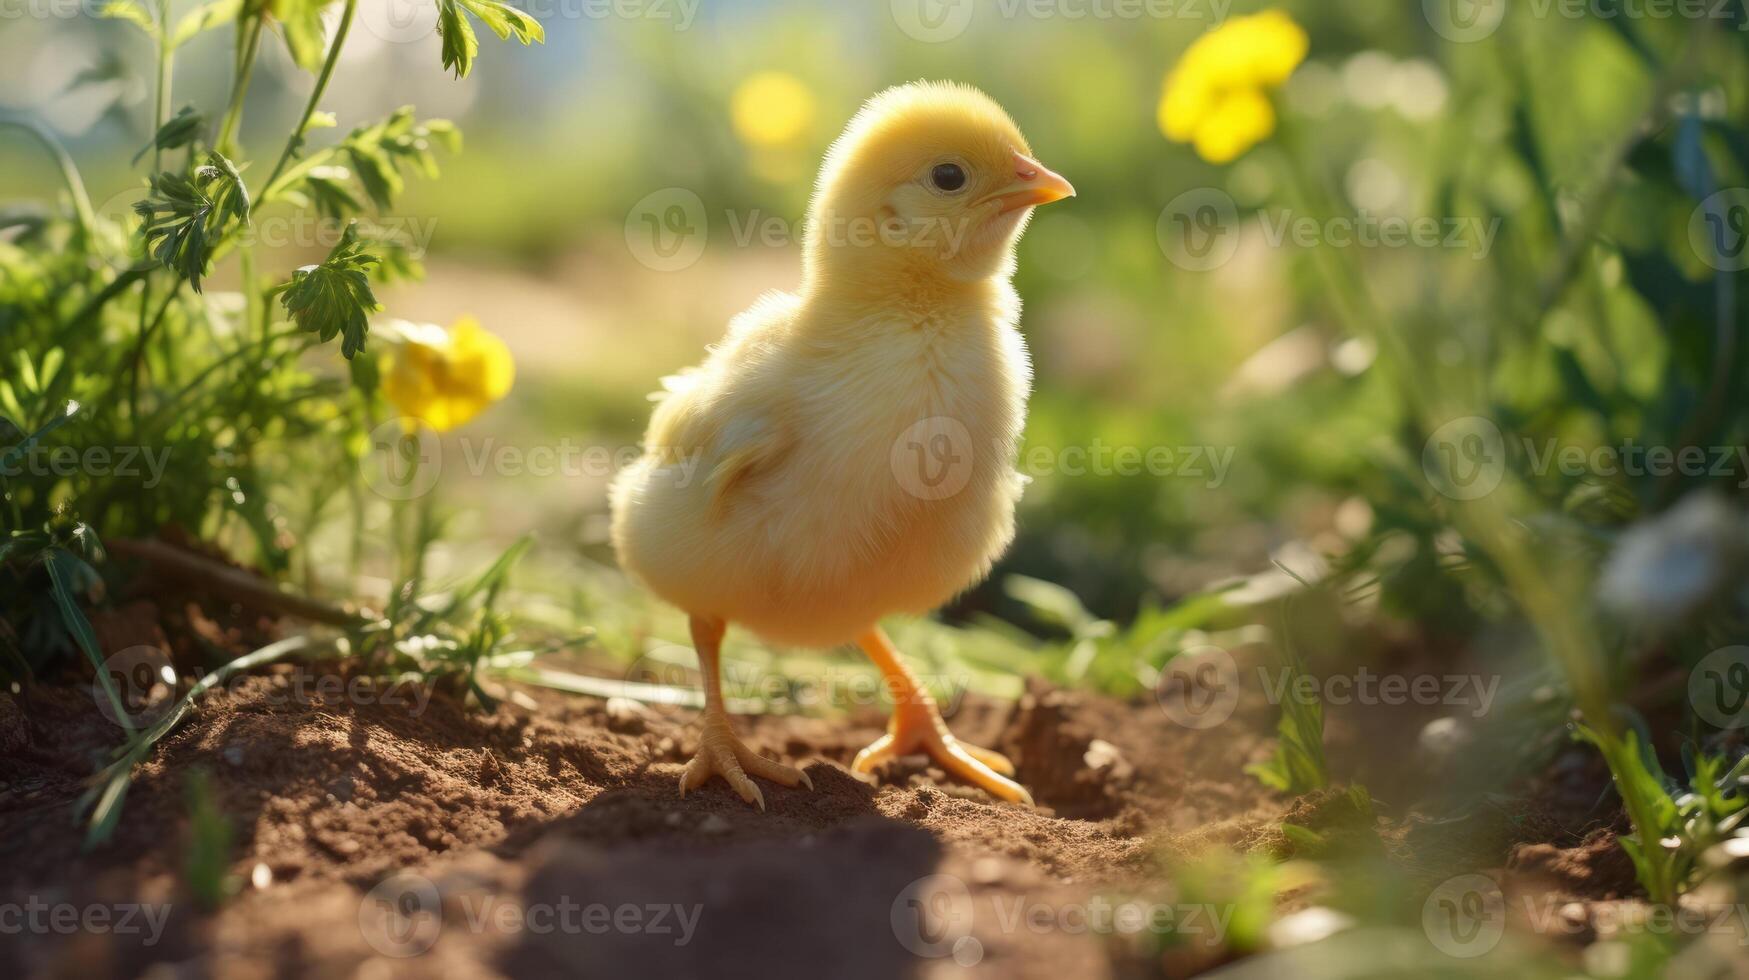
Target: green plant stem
[[1354, 303], [248, 45], [69, 172], [1663, 888], [175, 401], [253, 308], [135, 364], [297, 136], [161, 102]]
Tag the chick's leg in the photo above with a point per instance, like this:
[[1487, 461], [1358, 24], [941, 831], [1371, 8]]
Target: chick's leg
[[917, 726], [720, 753]]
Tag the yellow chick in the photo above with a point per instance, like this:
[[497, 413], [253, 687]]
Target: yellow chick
[[847, 451]]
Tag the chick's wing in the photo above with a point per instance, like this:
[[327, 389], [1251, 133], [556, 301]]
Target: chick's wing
[[728, 412]]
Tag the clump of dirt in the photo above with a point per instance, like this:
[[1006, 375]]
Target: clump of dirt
[[1597, 868]]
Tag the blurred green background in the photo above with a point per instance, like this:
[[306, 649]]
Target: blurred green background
[[535, 230]]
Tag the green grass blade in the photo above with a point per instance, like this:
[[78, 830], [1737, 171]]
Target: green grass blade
[[63, 568]]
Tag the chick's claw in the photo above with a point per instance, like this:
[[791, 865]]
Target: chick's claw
[[720, 753]]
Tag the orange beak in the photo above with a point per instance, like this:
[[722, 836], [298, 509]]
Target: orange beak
[[1034, 183]]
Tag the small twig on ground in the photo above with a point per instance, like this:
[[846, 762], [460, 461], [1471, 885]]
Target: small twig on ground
[[234, 584]]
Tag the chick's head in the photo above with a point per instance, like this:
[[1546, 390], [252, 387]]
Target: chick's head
[[929, 179]]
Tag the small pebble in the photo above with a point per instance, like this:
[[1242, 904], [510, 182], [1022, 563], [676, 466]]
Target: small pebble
[[1102, 755], [261, 876], [626, 715], [987, 870], [713, 824]]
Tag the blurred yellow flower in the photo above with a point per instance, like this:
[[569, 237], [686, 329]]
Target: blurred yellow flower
[[446, 377], [771, 108], [1215, 97]]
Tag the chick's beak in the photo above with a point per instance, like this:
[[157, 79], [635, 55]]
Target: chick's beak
[[1034, 183]]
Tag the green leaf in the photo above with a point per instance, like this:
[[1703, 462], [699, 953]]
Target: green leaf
[[1304, 839], [325, 189], [131, 11], [66, 574], [1298, 763], [10, 408], [204, 18], [335, 297], [230, 196], [300, 23], [379, 153], [377, 156], [460, 45], [189, 213], [27, 372], [178, 131], [505, 21], [1049, 602]]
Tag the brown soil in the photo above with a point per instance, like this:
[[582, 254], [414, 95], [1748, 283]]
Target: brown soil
[[371, 821], [573, 802]]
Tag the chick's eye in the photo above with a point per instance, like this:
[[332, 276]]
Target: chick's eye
[[948, 176]]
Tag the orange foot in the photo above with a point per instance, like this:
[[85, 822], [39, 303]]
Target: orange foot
[[720, 753], [917, 726]]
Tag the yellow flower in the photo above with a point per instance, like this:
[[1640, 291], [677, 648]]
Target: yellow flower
[[1215, 97], [444, 378], [771, 108]]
